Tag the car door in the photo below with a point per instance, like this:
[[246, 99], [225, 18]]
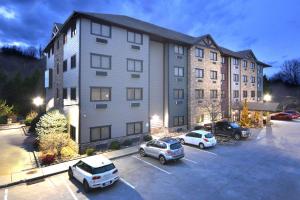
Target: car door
[[188, 138], [219, 128], [79, 171], [149, 148], [197, 139]]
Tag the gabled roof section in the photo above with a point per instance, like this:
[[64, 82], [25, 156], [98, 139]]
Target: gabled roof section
[[56, 28], [229, 52], [207, 41], [247, 53], [263, 64]]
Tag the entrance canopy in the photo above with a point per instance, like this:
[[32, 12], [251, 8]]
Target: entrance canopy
[[257, 106]]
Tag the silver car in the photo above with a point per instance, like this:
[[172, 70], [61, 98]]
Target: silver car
[[165, 149]]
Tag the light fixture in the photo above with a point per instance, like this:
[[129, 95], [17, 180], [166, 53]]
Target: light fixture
[[267, 97], [38, 101]]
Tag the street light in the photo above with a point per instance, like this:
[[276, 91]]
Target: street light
[[38, 101], [267, 97]]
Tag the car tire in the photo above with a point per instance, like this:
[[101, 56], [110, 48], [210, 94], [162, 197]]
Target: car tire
[[162, 160], [201, 146], [237, 136], [182, 141], [70, 173], [142, 153], [86, 186]]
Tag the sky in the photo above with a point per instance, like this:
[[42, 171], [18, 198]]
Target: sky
[[271, 28]]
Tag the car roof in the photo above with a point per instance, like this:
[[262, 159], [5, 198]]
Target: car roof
[[168, 140], [96, 161], [203, 132]]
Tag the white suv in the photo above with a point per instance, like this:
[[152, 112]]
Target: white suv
[[93, 172], [200, 138]]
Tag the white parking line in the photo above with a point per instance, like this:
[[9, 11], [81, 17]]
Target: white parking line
[[190, 160], [70, 191], [203, 150], [124, 181], [5, 194], [152, 165]]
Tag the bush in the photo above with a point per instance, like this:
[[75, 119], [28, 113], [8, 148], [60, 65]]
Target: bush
[[29, 117], [48, 158], [68, 152], [127, 142], [90, 151], [52, 122], [147, 138], [115, 145]]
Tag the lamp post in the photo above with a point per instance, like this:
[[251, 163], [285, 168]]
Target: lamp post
[[38, 102], [267, 98]]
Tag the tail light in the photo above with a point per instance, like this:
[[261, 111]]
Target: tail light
[[96, 177], [206, 140], [115, 171], [169, 152]]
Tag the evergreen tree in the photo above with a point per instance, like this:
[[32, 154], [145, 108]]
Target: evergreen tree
[[245, 120]]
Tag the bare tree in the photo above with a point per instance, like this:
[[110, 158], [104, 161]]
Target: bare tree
[[290, 72], [213, 107]]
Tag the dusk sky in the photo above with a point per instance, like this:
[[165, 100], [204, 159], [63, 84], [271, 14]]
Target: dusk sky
[[270, 28]]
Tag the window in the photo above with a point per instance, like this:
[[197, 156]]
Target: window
[[134, 65], [199, 93], [134, 94], [259, 94], [199, 52], [178, 94], [236, 94], [100, 29], [178, 121], [245, 94], [245, 79], [57, 44], [133, 37], [223, 94], [213, 94], [235, 77], [134, 128], [252, 79], [252, 93], [223, 76], [65, 65], [235, 61], [213, 56], [199, 119], [100, 61], [73, 93], [252, 65], [100, 133], [73, 132], [223, 60], [245, 63], [213, 75], [178, 49], [100, 94], [65, 93], [199, 73], [178, 71], [73, 30], [73, 61]]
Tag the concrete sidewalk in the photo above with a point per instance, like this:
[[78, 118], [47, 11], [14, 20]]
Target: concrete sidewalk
[[42, 172]]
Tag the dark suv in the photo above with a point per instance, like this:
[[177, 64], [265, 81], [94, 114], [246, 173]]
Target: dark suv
[[231, 129]]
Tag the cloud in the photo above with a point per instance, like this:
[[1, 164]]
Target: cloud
[[8, 14]]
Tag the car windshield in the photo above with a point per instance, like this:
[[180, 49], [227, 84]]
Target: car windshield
[[103, 169], [209, 135], [234, 125], [175, 146]]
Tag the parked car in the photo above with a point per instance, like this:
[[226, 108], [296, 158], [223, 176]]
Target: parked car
[[293, 113], [94, 172], [232, 129], [165, 149], [282, 116], [200, 138]]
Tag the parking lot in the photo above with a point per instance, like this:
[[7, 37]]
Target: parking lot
[[265, 166]]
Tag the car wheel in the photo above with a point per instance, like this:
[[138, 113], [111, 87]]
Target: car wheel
[[182, 141], [237, 136], [70, 173], [86, 186], [201, 146], [142, 153], [162, 160]]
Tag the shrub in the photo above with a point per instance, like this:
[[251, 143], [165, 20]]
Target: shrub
[[90, 151], [147, 138], [29, 117], [54, 142], [68, 152], [48, 158], [51, 122], [127, 142], [115, 145]]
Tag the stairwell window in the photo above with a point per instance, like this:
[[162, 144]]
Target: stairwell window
[[178, 71], [213, 56], [100, 61], [199, 73], [134, 94], [178, 93], [133, 37], [100, 94], [100, 30], [223, 77], [178, 49], [134, 65], [199, 52]]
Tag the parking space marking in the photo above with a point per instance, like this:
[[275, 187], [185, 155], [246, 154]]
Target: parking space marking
[[153, 165], [5, 194], [124, 181], [70, 191], [190, 160], [202, 150]]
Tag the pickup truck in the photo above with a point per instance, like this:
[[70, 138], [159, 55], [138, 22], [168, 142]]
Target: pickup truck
[[232, 129]]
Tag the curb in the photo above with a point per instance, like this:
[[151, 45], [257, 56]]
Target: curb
[[55, 173]]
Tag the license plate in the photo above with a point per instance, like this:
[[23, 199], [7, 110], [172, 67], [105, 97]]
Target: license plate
[[107, 183]]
